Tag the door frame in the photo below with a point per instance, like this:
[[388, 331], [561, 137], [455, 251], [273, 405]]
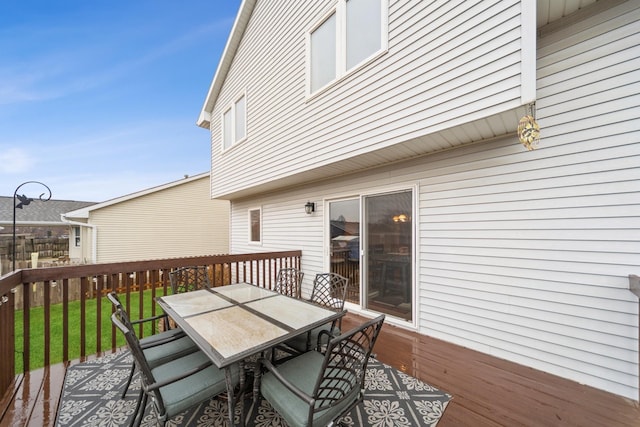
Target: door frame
[[360, 196]]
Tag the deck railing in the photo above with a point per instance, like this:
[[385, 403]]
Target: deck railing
[[89, 284]]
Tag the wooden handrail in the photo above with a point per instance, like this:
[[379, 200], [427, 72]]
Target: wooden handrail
[[90, 283]]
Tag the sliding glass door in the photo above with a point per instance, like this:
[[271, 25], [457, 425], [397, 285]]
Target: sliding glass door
[[388, 233], [378, 264], [344, 243]]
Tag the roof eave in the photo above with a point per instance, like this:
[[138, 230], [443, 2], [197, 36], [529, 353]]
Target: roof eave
[[240, 24]]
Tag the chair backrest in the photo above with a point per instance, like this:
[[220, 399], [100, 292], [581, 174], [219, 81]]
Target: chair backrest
[[119, 308], [289, 281], [329, 290], [187, 279], [120, 319], [345, 364]]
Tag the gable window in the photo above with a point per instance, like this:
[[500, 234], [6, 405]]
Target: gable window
[[255, 225], [234, 122], [350, 34]]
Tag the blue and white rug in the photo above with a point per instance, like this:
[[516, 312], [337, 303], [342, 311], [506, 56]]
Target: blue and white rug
[[92, 390]]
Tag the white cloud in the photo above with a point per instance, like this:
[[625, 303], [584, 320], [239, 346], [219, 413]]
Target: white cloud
[[15, 160]]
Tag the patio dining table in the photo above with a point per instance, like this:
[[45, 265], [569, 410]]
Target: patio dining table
[[231, 323]]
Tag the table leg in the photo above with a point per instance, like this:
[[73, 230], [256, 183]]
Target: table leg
[[231, 397]]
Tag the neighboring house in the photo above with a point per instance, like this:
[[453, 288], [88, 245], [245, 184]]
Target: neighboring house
[[39, 219], [401, 115], [177, 219]]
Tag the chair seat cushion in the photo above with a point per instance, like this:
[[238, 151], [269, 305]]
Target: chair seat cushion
[[168, 350], [202, 386], [302, 371]]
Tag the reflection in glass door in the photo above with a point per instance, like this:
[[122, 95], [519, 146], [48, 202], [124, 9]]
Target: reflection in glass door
[[388, 236], [344, 244]]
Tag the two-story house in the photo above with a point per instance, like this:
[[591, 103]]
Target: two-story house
[[401, 117]]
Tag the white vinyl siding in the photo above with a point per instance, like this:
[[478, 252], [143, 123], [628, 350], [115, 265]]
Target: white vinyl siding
[[522, 255], [445, 64]]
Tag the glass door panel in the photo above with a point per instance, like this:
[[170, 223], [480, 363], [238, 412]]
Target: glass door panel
[[344, 243], [388, 233]]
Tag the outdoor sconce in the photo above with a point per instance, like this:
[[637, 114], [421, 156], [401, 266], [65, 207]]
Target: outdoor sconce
[[310, 208]]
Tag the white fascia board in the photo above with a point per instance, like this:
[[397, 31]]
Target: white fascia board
[[528, 47], [230, 49]]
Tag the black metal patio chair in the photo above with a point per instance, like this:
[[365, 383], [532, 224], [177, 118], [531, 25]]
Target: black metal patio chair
[[289, 282], [318, 388], [187, 279], [177, 384], [329, 291], [158, 348]]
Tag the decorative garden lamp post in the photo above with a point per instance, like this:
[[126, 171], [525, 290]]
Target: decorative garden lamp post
[[24, 201]]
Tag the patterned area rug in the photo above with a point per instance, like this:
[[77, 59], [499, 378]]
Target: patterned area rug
[[91, 397]]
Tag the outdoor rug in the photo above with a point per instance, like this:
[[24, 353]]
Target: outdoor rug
[[92, 391]]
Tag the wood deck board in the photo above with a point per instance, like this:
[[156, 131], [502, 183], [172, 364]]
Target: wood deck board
[[487, 391]]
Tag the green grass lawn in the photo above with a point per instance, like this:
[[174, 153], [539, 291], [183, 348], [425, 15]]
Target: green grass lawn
[[36, 333]]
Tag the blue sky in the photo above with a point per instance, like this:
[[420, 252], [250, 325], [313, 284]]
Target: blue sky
[[99, 99]]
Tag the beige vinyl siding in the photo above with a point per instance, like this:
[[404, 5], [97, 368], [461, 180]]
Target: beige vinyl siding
[[177, 221], [522, 255], [447, 63]]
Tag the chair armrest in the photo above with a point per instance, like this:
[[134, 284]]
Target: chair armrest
[[295, 390], [319, 345], [149, 319], [179, 377]]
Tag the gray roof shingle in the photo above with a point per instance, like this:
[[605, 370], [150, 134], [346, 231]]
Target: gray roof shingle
[[38, 211]]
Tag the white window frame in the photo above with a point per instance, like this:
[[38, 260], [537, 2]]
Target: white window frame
[[77, 236], [249, 226], [234, 119], [339, 8]]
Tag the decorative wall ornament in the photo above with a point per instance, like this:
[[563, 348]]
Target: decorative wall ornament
[[528, 129]]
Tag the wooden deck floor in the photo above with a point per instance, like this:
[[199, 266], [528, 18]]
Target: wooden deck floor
[[486, 391]]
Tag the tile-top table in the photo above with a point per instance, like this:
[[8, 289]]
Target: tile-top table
[[230, 323]]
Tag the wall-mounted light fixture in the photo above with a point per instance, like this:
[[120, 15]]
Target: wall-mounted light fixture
[[401, 218], [310, 208]]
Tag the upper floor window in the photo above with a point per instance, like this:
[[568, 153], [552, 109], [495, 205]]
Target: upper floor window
[[350, 34], [234, 122]]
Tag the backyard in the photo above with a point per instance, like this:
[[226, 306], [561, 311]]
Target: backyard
[[37, 332]]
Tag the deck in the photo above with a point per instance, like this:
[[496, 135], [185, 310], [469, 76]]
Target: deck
[[486, 391]]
